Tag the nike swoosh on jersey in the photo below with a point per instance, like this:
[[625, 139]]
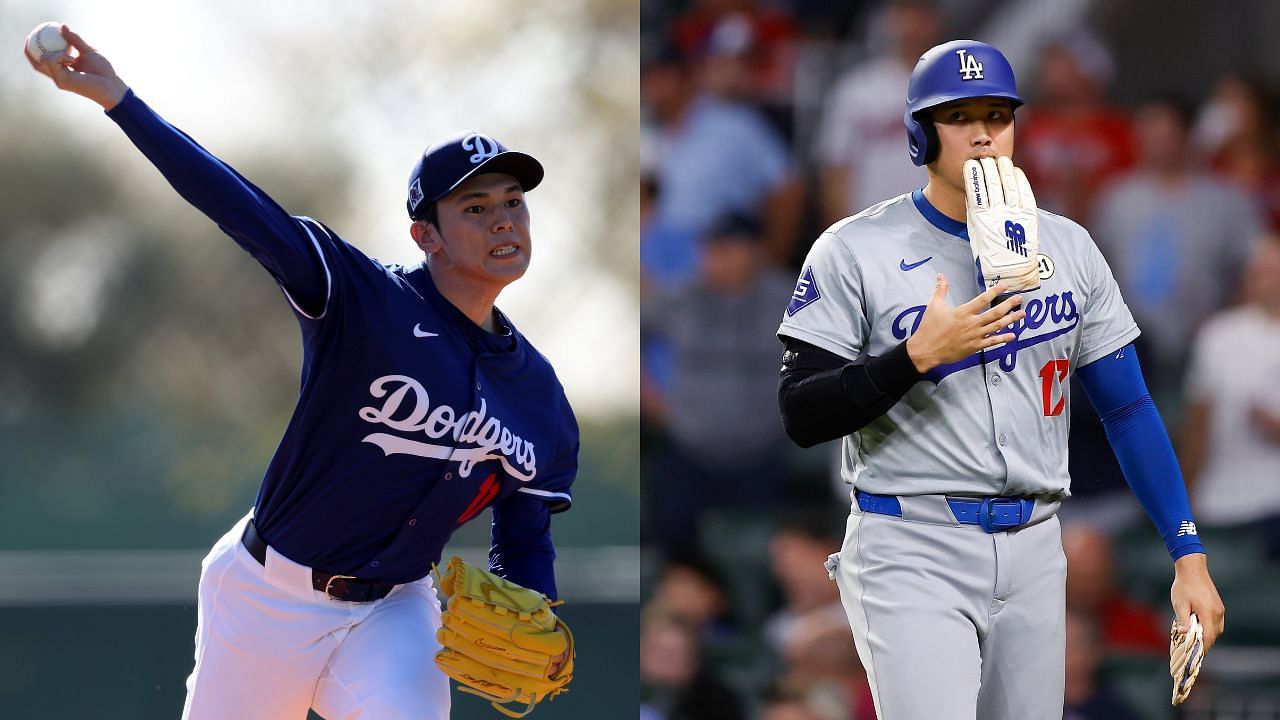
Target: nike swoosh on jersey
[[419, 332], [905, 267]]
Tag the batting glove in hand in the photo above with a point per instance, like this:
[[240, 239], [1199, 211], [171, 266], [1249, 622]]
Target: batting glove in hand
[[1004, 229], [1186, 653]]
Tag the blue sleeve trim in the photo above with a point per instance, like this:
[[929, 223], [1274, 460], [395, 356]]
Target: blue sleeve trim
[[1141, 444]]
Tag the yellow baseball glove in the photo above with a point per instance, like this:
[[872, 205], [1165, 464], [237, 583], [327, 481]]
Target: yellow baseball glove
[[501, 641]]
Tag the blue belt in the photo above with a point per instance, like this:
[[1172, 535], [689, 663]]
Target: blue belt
[[992, 514]]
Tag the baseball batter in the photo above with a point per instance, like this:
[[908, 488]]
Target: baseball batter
[[421, 405], [950, 389]]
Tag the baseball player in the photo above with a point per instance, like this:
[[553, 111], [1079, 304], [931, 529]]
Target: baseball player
[[420, 405], [949, 387]]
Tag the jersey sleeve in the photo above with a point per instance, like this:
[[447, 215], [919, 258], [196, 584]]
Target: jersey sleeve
[[520, 546], [1108, 324], [276, 240], [554, 486], [357, 282], [827, 307]]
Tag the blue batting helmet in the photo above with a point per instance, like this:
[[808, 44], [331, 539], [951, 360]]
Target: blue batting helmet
[[952, 71]]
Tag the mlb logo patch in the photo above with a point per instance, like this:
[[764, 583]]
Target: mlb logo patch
[[415, 193], [805, 294]]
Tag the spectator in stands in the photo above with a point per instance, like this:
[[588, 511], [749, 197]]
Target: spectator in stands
[[760, 39], [1231, 443], [1087, 698], [647, 712], [810, 633], [1175, 238], [1237, 131], [1124, 625], [861, 146], [668, 255], [1070, 141], [791, 708], [727, 448], [797, 553], [668, 259], [692, 589], [714, 157], [822, 665], [785, 701], [674, 682]]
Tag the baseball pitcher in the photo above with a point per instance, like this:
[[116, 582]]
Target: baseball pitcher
[[420, 405]]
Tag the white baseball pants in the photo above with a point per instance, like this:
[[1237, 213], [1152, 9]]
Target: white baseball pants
[[269, 646]]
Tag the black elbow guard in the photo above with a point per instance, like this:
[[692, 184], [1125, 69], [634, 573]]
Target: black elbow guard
[[823, 397]]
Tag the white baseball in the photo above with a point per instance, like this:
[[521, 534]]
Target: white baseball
[[46, 40]]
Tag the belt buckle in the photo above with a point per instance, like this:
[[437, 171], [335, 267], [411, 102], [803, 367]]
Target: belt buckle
[[986, 514], [329, 585]]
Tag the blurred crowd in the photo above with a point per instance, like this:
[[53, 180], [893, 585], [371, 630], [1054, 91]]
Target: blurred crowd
[[742, 169]]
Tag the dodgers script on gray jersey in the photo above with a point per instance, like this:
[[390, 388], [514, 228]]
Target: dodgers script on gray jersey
[[994, 423]]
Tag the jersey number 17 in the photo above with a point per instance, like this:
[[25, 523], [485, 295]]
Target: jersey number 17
[[1054, 373]]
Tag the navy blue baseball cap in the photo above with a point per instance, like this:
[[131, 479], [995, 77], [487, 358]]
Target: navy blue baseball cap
[[447, 164]]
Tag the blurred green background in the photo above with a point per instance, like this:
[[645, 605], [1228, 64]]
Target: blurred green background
[[148, 365]]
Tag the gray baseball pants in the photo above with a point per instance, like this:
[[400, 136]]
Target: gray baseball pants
[[953, 622]]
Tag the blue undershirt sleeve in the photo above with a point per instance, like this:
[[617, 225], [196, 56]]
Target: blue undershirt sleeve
[[1141, 444], [260, 226], [520, 543]]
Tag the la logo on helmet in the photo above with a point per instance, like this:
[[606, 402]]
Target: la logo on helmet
[[970, 68]]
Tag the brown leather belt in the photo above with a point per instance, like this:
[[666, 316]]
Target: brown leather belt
[[338, 587]]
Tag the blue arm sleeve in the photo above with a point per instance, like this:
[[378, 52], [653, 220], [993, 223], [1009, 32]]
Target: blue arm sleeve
[[520, 540], [248, 215], [1142, 446]]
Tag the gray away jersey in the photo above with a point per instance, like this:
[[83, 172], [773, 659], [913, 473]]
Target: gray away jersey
[[994, 423]]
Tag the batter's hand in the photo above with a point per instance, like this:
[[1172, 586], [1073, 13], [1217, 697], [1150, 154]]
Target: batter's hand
[[947, 334], [1193, 592], [86, 72]]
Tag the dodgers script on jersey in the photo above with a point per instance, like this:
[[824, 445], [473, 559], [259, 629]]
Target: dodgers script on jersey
[[994, 423], [459, 427], [411, 419]]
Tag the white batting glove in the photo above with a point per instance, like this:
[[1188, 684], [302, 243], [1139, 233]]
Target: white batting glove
[[1004, 229], [1186, 654]]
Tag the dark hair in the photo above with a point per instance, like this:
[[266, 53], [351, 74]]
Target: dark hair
[[736, 226], [812, 523], [429, 213], [699, 565]]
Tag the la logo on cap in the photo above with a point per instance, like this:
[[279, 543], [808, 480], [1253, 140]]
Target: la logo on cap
[[484, 146]]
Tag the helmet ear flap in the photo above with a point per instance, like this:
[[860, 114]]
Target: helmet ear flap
[[933, 145], [922, 140]]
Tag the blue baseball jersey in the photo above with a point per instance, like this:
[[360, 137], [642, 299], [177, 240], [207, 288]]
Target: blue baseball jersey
[[411, 418]]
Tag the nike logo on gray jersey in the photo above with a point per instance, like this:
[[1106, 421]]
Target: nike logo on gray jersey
[[419, 332], [905, 267]]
